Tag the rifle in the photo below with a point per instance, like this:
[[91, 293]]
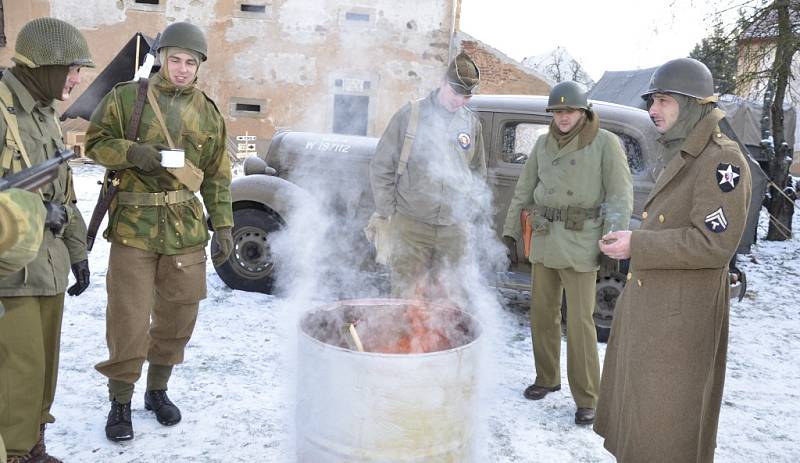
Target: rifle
[[108, 190], [37, 176]]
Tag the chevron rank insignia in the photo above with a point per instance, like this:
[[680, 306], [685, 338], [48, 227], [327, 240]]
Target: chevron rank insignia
[[716, 221], [728, 176]]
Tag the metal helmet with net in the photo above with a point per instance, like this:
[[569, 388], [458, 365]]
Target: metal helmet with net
[[568, 95], [684, 76], [51, 41], [184, 35]]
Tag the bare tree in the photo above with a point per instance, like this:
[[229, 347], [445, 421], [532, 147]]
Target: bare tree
[[559, 66]]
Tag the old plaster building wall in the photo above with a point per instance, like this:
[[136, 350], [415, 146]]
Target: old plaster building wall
[[317, 65], [501, 74]]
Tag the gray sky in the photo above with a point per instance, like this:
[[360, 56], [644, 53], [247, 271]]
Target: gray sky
[[603, 35]]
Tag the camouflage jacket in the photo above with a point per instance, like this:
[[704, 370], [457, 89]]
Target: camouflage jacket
[[47, 274], [446, 161], [22, 218], [196, 126]]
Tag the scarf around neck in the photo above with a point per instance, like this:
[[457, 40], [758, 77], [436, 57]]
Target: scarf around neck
[[45, 83]]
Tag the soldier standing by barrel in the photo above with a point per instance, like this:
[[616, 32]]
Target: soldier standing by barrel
[[49, 55], [664, 369], [157, 229], [424, 167], [577, 184]]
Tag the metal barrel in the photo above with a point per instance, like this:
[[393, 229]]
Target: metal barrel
[[379, 407]]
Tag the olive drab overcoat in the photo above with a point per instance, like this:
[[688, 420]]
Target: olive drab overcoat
[[664, 369], [588, 177]]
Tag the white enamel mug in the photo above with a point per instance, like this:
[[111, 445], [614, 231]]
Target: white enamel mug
[[172, 158]]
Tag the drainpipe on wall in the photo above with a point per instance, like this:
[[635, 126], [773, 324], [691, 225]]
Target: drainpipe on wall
[[456, 4]]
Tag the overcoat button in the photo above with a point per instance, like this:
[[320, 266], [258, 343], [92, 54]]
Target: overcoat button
[[644, 214], [630, 275], [555, 163], [639, 282], [661, 218]]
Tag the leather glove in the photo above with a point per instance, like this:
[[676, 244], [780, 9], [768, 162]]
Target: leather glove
[[511, 249], [56, 216], [146, 156], [80, 270], [225, 242]]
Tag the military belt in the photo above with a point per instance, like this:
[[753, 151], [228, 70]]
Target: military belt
[[162, 198], [560, 214]]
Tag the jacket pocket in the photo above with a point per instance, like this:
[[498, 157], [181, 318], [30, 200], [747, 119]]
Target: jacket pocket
[[136, 221], [196, 145]]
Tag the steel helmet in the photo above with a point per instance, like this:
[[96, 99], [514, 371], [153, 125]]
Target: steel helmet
[[49, 42], [568, 95], [684, 76], [184, 35]]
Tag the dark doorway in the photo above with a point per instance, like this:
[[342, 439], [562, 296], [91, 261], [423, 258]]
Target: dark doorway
[[350, 114]]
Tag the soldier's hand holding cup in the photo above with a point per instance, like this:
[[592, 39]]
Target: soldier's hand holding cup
[[146, 156]]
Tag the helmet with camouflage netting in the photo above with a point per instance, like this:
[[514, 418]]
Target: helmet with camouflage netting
[[184, 35], [51, 41], [685, 76]]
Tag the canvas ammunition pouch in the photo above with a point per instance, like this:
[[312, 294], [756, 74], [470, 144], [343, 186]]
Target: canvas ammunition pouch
[[163, 198], [572, 216]]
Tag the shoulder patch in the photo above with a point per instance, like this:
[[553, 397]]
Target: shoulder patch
[[716, 221], [728, 176]]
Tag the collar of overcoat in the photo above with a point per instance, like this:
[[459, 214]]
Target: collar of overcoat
[[695, 143]]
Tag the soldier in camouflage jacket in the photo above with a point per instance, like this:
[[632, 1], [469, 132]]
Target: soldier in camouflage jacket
[[156, 227]]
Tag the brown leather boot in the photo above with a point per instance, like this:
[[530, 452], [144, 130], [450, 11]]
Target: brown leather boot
[[38, 453], [534, 392]]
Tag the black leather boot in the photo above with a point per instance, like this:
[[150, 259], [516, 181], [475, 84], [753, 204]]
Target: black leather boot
[[584, 416], [118, 426], [534, 392], [166, 411]]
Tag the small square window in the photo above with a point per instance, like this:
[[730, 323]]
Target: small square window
[[147, 2], [338, 82], [247, 107], [248, 8], [350, 16]]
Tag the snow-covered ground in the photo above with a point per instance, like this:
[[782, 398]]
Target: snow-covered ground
[[235, 389]]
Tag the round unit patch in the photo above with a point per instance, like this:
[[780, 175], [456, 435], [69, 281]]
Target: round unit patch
[[728, 176], [464, 140]]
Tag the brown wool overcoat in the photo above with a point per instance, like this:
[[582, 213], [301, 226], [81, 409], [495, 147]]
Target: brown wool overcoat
[[664, 368]]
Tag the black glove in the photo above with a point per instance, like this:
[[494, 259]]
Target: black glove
[[146, 157], [511, 249], [56, 216], [81, 271]]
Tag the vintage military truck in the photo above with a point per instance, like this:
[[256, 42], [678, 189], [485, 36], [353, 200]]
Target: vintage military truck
[[340, 163]]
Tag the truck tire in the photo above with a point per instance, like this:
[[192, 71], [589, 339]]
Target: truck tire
[[607, 291], [250, 266]]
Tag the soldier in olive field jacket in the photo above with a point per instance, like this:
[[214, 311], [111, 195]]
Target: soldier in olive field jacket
[[425, 197], [157, 229], [664, 369], [578, 185], [49, 55]]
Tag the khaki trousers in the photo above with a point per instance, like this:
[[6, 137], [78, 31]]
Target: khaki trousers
[[583, 362], [152, 308], [30, 336], [422, 254]]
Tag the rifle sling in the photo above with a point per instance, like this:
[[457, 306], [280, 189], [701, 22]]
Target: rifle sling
[[109, 189]]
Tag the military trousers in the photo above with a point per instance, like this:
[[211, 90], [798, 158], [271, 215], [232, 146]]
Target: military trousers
[[583, 362], [152, 309], [30, 337], [421, 259]]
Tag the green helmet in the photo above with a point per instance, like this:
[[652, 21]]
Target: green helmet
[[184, 35], [568, 95], [51, 41], [685, 76]]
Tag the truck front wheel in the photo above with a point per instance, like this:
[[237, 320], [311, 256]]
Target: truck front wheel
[[250, 266]]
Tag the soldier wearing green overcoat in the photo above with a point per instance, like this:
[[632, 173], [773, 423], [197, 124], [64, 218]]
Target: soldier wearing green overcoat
[[158, 233], [22, 217], [429, 162], [664, 367], [577, 185], [49, 55]]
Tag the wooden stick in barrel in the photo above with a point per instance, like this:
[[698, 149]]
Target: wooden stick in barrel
[[356, 339]]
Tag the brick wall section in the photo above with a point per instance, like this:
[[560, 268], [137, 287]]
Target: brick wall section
[[499, 76]]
